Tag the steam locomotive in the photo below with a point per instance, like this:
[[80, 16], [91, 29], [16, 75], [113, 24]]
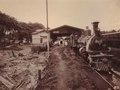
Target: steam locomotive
[[93, 49]]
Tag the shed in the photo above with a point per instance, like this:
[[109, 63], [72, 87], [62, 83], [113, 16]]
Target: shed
[[64, 31]]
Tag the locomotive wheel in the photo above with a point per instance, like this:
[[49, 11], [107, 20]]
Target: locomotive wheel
[[85, 56]]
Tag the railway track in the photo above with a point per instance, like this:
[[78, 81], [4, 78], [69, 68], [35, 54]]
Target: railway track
[[112, 77]]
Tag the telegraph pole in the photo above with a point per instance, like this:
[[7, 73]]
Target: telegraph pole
[[48, 36]]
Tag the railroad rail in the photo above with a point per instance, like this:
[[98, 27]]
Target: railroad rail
[[112, 78]]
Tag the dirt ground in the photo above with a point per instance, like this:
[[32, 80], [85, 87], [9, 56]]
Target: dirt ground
[[65, 72], [19, 68], [23, 70]]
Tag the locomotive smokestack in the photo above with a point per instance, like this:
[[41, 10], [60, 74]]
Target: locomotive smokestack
[[96, 29]]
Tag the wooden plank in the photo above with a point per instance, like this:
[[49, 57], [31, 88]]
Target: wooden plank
[[19, 85], [6, 82]]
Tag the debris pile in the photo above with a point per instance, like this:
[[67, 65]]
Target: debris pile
[[19, 68]]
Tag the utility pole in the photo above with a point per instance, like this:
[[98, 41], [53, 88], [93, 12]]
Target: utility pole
[[48, 36]]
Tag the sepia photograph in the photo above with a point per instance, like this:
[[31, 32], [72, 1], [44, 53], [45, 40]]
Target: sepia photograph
[[59, 44]]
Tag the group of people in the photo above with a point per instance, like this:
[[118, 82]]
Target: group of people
[[61, 42]]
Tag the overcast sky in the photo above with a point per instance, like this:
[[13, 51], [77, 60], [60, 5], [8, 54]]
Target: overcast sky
[[78, 13]]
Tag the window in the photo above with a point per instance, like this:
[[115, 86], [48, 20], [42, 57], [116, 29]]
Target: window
[[41, 40]]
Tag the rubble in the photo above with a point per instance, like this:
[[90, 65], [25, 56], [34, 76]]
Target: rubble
[[20, 71]]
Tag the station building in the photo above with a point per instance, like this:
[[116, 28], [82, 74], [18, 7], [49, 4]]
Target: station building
[[64, 31]]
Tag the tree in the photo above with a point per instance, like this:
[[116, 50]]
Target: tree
[[18, 30], [35, 26]]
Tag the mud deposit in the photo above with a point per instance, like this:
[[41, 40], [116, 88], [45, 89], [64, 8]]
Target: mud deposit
[[65, 72]]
